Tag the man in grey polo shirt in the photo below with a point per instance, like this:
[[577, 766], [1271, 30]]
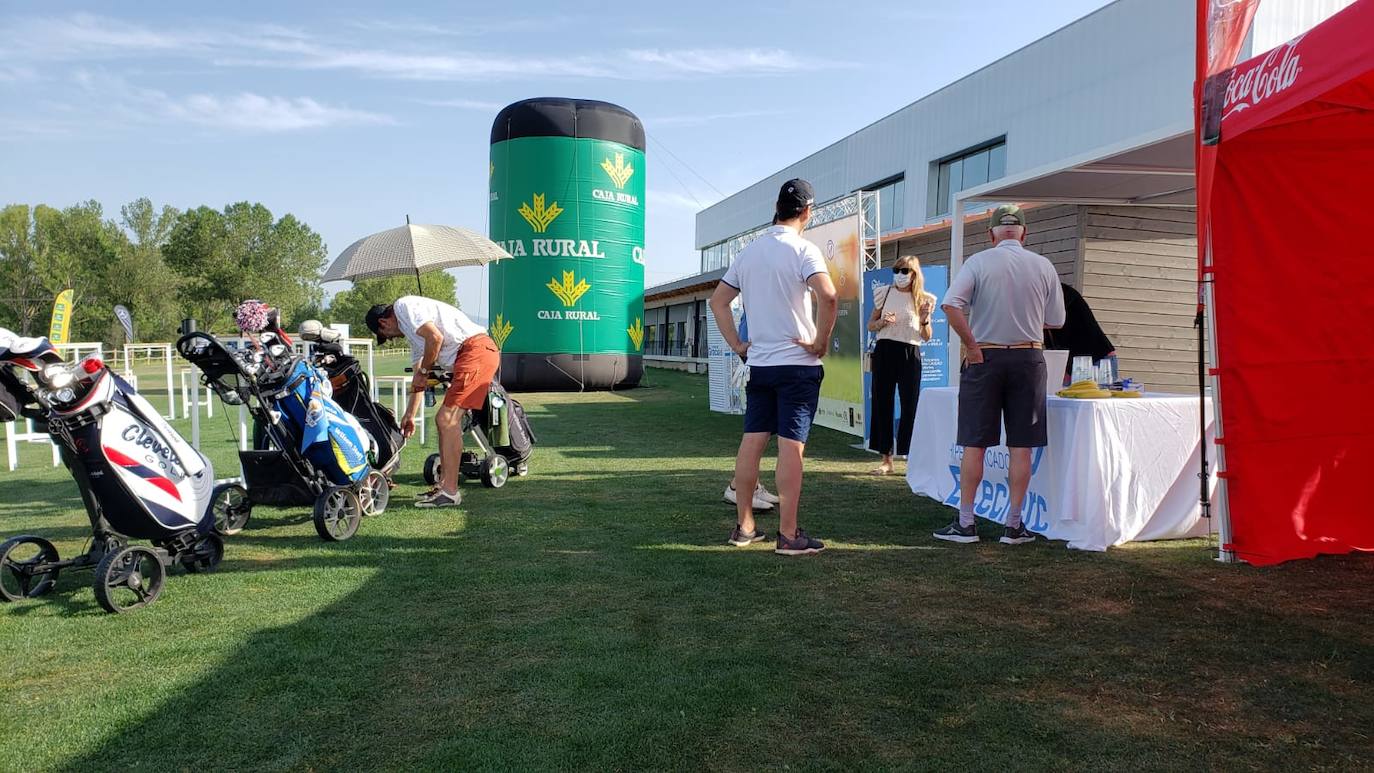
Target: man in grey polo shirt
[[1000, 304]]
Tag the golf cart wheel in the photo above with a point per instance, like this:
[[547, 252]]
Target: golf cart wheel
[[19, 556], [229, 502], [375, 493], [432, 469], [129, 578], [337, 513], [204, 555], [495, 471]]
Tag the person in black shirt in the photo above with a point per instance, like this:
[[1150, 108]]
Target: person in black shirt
[[1081, 334]]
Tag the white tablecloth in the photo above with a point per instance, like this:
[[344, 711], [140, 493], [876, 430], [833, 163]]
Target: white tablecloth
[[1116, 471]]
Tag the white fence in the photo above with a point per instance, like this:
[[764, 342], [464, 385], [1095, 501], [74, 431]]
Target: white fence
[[164, 353], [13, 437], [196, 398]]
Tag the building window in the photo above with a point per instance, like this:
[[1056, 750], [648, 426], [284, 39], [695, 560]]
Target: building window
[[969, 169], [651, 339], [720, 254], [699, 342], [891, 198]]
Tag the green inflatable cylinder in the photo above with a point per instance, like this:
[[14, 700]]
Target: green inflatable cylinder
[[567, 202]]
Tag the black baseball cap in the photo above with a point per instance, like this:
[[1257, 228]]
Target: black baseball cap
[[374, 319], [794, 196]]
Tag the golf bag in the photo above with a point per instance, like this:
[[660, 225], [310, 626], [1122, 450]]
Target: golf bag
[[503, 420], [353, 392], [315, 451], [11, 389], [137, 477]]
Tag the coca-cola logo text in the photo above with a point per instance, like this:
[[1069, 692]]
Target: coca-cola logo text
[[1277, 72]]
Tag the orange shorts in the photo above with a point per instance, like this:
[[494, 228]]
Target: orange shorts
[[473, 369]]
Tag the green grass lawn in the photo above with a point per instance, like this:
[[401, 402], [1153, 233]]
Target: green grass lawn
[[591, 616]]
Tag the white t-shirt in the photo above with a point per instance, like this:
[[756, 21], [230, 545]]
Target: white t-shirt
[[413, 311], [1009, 293], [771, 275]]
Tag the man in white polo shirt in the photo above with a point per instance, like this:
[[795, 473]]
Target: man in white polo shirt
[[776, 277]]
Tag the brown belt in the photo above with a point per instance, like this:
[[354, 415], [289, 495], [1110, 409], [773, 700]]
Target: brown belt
[[1026, 345]]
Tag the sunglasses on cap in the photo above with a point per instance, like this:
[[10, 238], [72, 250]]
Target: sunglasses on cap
[[901, 271]]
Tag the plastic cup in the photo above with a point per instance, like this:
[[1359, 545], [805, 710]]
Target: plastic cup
[[1083, 369]]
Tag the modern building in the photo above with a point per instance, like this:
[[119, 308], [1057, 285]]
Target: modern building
[[1090, 127]]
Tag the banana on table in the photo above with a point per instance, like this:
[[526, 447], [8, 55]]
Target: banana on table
[[1088, 390]]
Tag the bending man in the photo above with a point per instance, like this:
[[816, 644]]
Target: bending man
[[441, 335]]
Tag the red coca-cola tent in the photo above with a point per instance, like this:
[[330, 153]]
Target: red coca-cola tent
[[1288, 248]]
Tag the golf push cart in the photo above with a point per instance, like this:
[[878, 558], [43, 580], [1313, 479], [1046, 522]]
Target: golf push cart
[[138, 479]]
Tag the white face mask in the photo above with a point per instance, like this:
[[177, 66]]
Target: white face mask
[[902, 281]]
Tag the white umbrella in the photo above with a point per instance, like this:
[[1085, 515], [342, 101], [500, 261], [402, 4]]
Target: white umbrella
[[413, 249]]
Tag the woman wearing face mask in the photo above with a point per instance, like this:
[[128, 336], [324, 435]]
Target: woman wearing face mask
[[901, 318]]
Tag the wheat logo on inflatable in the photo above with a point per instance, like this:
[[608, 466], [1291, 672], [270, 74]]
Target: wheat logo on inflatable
[[619, 172], [569, 291], [501, 330], [636, 332], [539, 217]]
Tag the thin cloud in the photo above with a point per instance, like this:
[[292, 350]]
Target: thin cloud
[[701, 119], [723, 61], [425, 67], [463, 104], [29, 128], [241, 112], [254, 112], [17, 74], [645, 64], [88, 37], [466, 29]]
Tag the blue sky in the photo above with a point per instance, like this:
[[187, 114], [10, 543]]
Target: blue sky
[[353, 115]]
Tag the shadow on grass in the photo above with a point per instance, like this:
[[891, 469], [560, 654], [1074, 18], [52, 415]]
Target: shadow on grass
[[55, 492], [592, 619]]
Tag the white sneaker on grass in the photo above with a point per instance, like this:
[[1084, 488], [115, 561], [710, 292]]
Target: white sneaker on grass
[[761, 504], [762, 493]]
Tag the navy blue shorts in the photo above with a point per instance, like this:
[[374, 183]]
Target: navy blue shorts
[[782, 399]]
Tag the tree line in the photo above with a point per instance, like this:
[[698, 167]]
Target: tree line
[[166, 265]]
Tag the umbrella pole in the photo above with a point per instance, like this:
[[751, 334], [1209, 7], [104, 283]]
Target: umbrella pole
[[418, 285]]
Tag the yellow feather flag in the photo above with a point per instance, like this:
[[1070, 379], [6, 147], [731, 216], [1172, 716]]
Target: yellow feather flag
[[61, 326]]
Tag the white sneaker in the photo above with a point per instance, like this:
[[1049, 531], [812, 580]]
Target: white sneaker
[[760, 504], [762, 493]]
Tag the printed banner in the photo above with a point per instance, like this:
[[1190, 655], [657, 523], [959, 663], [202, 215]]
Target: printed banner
[[571, 213], [61, 327], [1224, 25], [728, 373], [842, 391], [126, 320], [934, 353]]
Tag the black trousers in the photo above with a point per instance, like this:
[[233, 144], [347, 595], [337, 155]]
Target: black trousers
[[896, 368]]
